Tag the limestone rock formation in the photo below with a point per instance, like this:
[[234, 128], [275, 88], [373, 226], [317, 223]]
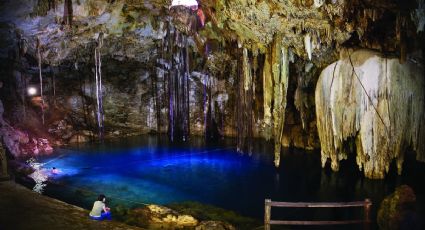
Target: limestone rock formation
[[163, 217], [375, 101], [214, 225], [397, 211], [250, 67]]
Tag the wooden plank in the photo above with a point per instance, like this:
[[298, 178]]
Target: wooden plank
[[317, 205], [299, 222]]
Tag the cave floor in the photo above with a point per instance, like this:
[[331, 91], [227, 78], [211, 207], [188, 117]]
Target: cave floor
[[21, 208]]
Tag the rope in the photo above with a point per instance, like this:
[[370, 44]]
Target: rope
[[388, 101], [333, 76], [370, 99], [55, 159]]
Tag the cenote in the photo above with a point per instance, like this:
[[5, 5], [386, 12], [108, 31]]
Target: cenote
[[215, 106], [149, 170]]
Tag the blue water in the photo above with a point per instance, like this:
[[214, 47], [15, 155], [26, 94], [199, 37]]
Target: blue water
[[148, 169]]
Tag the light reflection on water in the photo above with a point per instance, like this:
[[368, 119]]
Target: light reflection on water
[[147, 169]]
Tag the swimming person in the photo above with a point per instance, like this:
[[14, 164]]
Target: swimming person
[[99, 210], [55, 170]]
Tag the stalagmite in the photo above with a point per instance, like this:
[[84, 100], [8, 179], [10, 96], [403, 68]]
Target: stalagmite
[[377, 101]]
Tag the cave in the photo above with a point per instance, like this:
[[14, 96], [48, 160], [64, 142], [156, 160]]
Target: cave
[[192, 114]]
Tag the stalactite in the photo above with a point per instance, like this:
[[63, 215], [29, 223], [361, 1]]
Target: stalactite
[[377, 101], [154, 83], [307, 45], [210, 126], [86, 108], [300, 105], [67, 12], [249, 79], [267, 95], [240, 103], [205, 101], [244, 109], [41, 77], [318, 3], [178, 86], [280, 72], [98, 82], [187, 88], [52, 5]]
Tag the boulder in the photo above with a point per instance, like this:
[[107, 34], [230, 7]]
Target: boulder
[[161, 217], [397, 211]]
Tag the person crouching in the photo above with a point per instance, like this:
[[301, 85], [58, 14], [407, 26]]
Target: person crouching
[[99, 210]]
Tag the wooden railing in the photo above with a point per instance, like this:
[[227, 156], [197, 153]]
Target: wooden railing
[[366, 204]]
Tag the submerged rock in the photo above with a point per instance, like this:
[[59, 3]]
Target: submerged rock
[[214, 225], [160, 217]]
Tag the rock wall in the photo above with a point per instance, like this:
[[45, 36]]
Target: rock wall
[[375, 102], [252, 69], [137, 60]]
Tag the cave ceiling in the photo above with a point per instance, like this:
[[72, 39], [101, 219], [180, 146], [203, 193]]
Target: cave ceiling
[[133, 29]]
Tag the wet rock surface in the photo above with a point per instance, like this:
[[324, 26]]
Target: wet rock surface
[[397, 211], [163, 217], [21, 208], [214, 225]]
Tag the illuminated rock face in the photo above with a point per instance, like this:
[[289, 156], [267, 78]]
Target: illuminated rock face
[[380, 105]]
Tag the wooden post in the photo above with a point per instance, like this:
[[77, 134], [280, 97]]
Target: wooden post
[[367, 205], [3, 161], [267, 214]]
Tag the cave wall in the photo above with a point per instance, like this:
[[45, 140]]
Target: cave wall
[[135, 69], [252, 69]]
